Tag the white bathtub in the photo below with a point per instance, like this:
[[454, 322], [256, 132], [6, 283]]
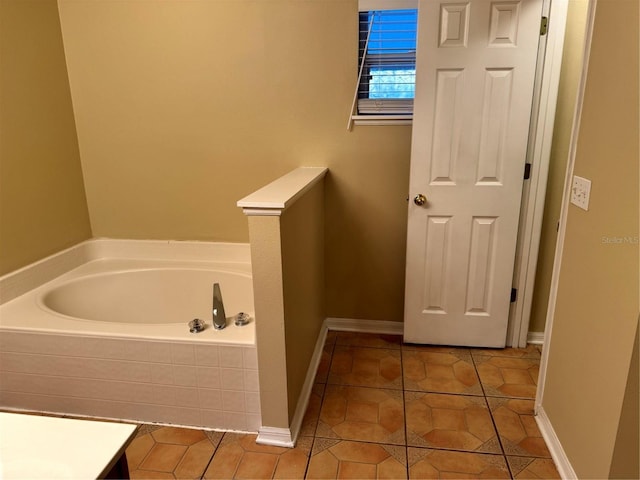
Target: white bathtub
[[110, 338], [156, 293]]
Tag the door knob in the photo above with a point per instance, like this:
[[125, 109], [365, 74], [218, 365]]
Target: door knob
[[420, 200]]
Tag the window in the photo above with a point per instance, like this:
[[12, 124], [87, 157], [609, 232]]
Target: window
[[387, 60]]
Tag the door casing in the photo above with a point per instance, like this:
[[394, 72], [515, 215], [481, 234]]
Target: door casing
[[538, 155]]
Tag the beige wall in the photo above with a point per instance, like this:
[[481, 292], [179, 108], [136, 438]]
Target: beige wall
[[182, 108], [302, 228], [597, 304], [569, 77], [626, 452], [42, 202]]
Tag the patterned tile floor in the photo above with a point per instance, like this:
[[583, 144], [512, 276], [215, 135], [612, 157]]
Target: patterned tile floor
[[381, 409]]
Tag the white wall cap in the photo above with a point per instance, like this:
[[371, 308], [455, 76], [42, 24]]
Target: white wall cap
[[281, 193]]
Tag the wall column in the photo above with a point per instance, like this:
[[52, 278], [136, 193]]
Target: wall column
[[286, 231]]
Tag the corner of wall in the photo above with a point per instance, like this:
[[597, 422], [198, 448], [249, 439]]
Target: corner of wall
[[44, 207], [626, 452]]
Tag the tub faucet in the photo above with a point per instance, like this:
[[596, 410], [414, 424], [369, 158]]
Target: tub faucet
[[219, 318]]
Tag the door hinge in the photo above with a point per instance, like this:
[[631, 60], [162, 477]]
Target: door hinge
[[514, 294], [544, 25], [527, 171]]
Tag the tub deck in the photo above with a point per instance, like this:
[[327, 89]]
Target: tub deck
[[27, 313], [156, 373]]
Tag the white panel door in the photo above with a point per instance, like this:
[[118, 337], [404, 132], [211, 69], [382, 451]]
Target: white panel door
[[475, 72]]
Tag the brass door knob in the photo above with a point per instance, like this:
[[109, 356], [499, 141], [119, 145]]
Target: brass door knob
[[420, 200]]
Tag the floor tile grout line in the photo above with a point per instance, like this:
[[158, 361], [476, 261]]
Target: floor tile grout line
[[475, 367], [215, 450], [181, 458], [404, 412], [493, 422], [495, 426], [460, 451], [438, 392], [498, 437], [317, 420], [306, 467], [147, 454], [371, 347]]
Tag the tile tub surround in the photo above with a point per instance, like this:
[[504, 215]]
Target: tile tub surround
[[150, 373], [213, 386]]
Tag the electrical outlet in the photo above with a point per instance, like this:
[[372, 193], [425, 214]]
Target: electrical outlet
[[580, 190]]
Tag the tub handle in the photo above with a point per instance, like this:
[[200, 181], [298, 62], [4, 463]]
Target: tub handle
[[196, 325], [242, 319]]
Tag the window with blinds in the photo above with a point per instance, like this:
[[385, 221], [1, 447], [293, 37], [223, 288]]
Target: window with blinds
[[387, 58]]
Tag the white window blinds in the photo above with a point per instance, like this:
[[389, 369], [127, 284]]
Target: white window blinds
[[387, 58]]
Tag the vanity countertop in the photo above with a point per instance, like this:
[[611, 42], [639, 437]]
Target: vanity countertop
[[33, 446]]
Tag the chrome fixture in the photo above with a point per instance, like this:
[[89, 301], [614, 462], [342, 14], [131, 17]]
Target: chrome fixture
[[196, 325], [242, 319], [219, 318]]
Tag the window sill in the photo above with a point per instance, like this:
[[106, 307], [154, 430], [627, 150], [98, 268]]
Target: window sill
[[382, 119]]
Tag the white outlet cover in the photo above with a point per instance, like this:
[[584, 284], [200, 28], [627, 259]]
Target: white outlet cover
[[580, 191]]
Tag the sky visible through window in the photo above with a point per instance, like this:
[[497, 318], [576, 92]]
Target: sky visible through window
[[392, 83], [391, 54]]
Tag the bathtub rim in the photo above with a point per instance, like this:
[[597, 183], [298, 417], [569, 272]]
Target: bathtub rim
[[18, 282], [41, 296], [76, 261]]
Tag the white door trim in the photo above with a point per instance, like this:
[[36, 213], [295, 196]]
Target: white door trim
[[555, 276], [559, 456], [532, 209]]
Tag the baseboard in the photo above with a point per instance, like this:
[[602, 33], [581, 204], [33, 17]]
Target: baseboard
[[287, 437], [365, 326], [279, 437], [553, 443], [307, 386], [536, 338]]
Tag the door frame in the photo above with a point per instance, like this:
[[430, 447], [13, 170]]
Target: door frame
[[566, 200], [538, 155], [557, 452]]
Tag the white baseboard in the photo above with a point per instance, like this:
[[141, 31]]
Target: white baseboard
[[536, 338], [279, 437], [365, 326], [287, 437], [307, 387], [553, 443]]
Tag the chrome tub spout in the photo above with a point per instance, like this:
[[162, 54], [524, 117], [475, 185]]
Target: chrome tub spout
[[219, 317]]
